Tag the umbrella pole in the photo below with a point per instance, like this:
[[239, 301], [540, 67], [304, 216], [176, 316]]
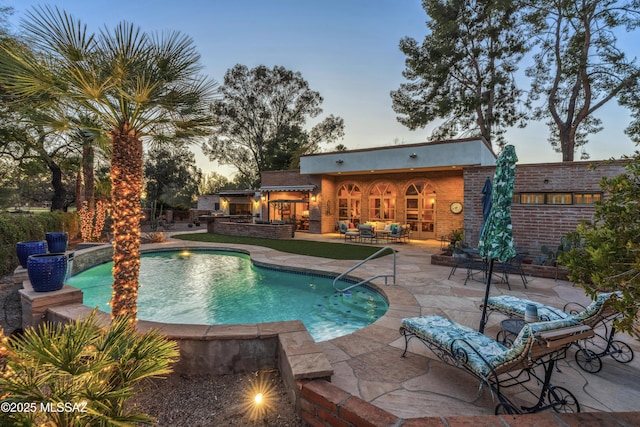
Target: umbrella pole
[[483, 320]]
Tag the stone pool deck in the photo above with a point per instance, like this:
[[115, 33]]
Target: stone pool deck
[[373, 385], [367, 363]]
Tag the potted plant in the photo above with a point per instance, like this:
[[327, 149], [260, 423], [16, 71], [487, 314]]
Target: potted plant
[[456, 243]]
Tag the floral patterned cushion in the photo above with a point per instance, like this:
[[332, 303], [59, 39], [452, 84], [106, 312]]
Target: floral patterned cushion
[[516, 307], [444, 332], [483, 353], [595, 306]]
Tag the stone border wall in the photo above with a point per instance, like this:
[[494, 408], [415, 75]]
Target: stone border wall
[[228, 349], [249, 229]]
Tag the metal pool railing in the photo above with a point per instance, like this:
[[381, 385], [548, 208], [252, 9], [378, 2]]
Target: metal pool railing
[[370, 278]]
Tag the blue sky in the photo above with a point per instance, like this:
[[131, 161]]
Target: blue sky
[[346, 49]]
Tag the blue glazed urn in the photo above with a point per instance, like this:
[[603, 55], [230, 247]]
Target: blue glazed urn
[[57, 241], [47, 271], [24, 249]]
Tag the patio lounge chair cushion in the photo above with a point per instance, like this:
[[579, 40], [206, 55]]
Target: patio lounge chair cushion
[[483, 355], [595, 307], [515, 307]]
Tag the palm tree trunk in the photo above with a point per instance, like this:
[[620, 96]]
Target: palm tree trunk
[[87, 172], [126, 191]]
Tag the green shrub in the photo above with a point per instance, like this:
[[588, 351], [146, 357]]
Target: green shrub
[[95, 369], [607, 256]]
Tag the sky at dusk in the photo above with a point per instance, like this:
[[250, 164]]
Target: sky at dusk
[[347, 50]]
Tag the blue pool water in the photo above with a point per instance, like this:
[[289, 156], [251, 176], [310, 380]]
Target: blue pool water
[[218, 287]]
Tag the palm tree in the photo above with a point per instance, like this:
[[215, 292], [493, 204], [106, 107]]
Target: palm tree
[[85, 364], [139, 85]]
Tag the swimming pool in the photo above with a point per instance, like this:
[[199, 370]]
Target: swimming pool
[[221, 287]]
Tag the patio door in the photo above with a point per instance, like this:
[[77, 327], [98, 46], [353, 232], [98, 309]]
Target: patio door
[[349, 199], [420, 199]]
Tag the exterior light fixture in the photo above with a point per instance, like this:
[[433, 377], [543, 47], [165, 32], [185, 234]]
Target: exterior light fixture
[[313, 199], [339, 161], [413, 155]]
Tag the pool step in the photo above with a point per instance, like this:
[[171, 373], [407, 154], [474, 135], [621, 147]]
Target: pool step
[[340, 308]]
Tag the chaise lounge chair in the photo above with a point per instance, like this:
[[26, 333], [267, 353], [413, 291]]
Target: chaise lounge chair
[[599, 315], [493, 363]]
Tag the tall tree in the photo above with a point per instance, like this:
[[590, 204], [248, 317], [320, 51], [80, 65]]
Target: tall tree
[[578, 67], [26, 142], [463, 70], [90, 140], [171, 175], [212, 183], [261, 117], [137, 84]]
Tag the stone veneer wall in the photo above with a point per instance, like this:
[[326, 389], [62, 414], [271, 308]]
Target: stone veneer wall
[[269, 231], [537, 225]]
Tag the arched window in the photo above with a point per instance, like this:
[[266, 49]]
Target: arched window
[[382, 202], [420, 209], [349, 199]]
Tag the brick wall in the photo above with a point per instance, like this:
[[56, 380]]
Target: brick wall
[[448, 186], [321, 404], [537, 225]]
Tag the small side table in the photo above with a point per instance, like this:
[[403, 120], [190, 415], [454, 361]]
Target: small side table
[[509, 329]]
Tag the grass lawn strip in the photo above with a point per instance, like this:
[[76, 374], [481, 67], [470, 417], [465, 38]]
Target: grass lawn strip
[[300, 247]]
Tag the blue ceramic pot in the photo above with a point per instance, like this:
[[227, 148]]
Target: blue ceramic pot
[[57, 241], [47, 271], [24, 249]]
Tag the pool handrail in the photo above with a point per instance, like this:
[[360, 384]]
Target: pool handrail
[[393, 251]]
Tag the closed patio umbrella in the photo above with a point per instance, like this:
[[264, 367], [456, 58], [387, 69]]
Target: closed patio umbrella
[[487, 191], [496, 241]]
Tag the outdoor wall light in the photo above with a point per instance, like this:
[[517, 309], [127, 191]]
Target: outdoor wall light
[[413, 155], [313, 199], [339, 161]]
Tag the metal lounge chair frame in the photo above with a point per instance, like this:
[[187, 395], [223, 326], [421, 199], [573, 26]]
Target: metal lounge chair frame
[[367, 232], [400, 234], [599, 315], [499, 367]]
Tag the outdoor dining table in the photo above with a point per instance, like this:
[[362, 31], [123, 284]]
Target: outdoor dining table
[[476, 262]]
